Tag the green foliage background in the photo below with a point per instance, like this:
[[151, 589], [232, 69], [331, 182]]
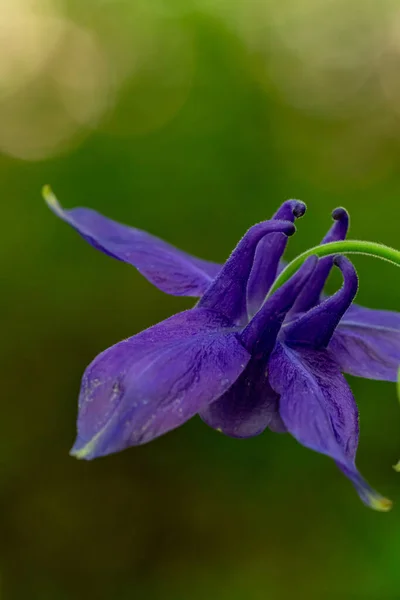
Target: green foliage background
[[195, 147]]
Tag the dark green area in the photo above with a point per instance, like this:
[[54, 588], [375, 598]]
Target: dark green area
[[193, 515]]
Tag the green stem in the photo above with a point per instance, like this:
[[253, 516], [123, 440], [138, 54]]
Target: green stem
[[342, 247]]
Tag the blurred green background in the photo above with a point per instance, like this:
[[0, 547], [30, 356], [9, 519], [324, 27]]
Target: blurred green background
[[191, 119]]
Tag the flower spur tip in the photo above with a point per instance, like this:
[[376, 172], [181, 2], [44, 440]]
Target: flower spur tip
[[344, 264], [299, 208], [339, 214], [338, 260], [290, 230], [290, 209]]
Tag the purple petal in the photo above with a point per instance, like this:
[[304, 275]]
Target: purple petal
[[155, 381], [171, 270], [267, 257], [367, 343], [316, 327], [311, 295], [260, 334], [248, 407], [318, 409], [227, 294]]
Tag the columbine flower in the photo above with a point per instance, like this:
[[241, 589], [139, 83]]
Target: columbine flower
[[242, 363]]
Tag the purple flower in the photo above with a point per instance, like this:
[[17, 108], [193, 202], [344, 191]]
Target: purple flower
[[242, 363]]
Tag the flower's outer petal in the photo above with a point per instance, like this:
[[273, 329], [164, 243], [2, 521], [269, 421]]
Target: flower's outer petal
[[248, 407], [316, 327], [267, 257], [155, 381], [318, 409], [366, 343], [171, 270], [227, 293], [310, 296]]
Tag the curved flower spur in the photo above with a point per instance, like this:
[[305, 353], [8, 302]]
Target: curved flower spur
[[243, 363]]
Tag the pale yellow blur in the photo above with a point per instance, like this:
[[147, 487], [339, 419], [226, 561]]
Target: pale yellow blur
[[61, 75]]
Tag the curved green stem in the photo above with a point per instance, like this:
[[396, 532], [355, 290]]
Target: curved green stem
[[342, 247]]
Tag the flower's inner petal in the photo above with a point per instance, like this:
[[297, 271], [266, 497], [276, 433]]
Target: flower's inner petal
[[248, 407], [171, 270], [318, 409], [260, 334], [267, 257], [316, 327], [366, 343], [312, 294], [227, 294], [153, 382]]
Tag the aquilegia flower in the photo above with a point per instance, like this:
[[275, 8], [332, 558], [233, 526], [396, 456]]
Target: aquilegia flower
[[241, 362]]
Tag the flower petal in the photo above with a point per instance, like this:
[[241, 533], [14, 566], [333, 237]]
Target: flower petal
[[227, 293], [318, 409], [260, 334], [267, 257], [251, 405], [156, 380], [171, 270], [367, 343], [248, 407], [311, 294], [316, 327]]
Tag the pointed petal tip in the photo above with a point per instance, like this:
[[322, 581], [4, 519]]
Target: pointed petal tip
[[80, 454], [85, 451], [48, 195], [396, 467], [368, 495], [377, 502], [51, 199]]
